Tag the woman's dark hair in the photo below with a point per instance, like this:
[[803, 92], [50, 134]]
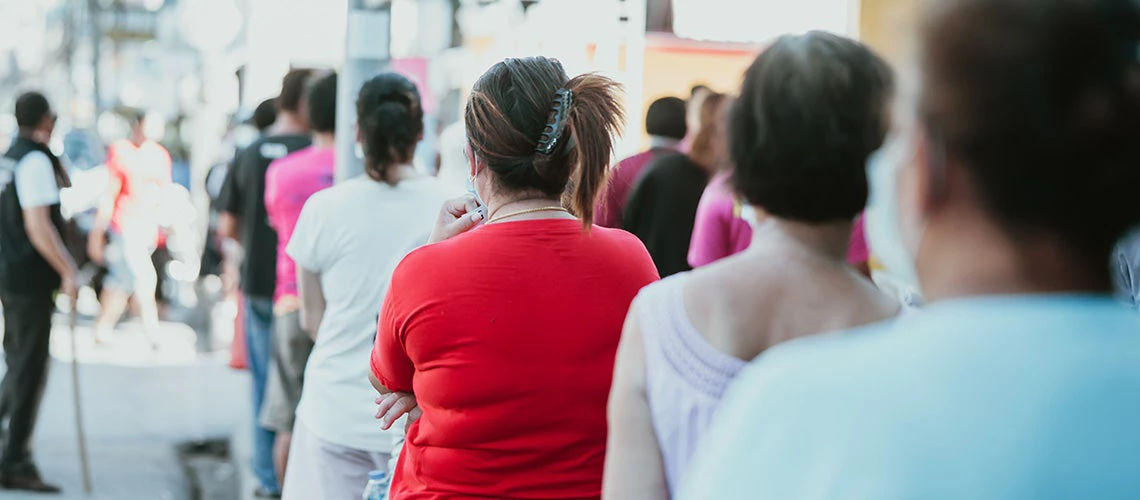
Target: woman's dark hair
[[812, 109], [293, 89], [509, 111], [1039, 100], [321, 103], [391, 121], [666, 118]]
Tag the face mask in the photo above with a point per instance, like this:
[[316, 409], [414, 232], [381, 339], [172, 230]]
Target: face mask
[[474, 192], [884, 223]]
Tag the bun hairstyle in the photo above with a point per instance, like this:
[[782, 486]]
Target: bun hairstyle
[[812, 109], [1039, 100], [540, 131], [390, 119]]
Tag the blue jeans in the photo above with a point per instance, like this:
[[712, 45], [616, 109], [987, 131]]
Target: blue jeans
[[259, 339]]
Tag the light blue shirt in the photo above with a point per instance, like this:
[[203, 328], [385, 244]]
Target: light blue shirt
[[1031, 397]]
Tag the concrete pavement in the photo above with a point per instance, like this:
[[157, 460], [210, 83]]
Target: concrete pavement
[[138, 405]]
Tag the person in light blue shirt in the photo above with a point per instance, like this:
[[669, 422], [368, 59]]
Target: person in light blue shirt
[[1004, 196]]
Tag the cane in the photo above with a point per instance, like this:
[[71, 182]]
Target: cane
[[84, 465]]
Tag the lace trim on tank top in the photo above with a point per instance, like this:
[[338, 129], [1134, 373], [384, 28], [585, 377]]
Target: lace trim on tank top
[[666, 327]]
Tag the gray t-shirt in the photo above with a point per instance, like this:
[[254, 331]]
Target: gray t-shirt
[[1126, 268]]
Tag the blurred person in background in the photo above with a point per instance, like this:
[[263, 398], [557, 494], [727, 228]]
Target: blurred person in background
[[289, 183], [719, 227], [1020, 378], [665, 124], [248, 238], [127, 229], [212, 263], [517, 320], [34, 264], [346, 243], [662, 205], [693, 106], [1128, 268], [687, 337]]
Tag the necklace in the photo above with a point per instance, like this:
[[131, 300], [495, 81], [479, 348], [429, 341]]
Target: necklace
[[498, 218]]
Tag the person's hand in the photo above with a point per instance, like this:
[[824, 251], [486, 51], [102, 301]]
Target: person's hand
[[457, 216], [97, 247], [390, 407], [69, 286]]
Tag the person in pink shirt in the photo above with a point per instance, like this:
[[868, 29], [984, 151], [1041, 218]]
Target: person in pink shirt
[[666, 126], [719, 230], [289, 182]]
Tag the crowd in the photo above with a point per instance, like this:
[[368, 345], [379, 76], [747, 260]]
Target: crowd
[[837, 281]]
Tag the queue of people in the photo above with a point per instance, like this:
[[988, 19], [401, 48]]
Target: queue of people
[[838, 282]]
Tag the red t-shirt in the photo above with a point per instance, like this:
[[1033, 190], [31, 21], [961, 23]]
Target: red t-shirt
[[142, 171], [507, 336]]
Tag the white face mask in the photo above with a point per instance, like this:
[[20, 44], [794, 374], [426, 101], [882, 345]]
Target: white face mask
[[475, 192], [891, 244]]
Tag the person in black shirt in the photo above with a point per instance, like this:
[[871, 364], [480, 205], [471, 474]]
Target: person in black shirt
[[34, 263], [242, 203], [663, 203]]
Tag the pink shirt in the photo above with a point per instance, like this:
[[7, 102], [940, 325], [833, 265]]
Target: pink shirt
[[607, 212], [289, 183], [718, 230]]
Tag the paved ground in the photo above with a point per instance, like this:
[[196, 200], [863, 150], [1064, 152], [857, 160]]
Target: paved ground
[[138, 405]]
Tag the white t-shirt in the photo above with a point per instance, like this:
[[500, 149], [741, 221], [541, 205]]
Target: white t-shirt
[[35, 181], [353, 234]]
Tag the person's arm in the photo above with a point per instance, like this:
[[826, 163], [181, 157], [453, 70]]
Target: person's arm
[[634, 467], [312, 300], [391, 370], [97, 237], [638, 196], [49, 244]]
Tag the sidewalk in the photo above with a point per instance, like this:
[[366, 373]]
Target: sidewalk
[[138, 405]]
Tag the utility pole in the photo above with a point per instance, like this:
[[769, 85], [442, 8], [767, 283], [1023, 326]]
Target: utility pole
[[367, 52]]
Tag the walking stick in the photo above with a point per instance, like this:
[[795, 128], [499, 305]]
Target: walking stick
[[84, 465]]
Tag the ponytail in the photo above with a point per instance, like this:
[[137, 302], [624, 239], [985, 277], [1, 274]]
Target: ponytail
[[596, 118]]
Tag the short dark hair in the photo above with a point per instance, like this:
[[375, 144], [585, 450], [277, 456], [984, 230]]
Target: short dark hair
[[293, 89], [666, 118], [391, 120], [31, 109], [321, 99], [1040, 102], [265, 114], [508, 116], [812, 109]]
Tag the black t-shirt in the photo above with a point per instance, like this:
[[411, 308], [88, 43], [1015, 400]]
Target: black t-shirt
[[243, 196], [662, 207]]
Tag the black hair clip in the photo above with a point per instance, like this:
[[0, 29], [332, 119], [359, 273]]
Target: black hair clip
[[556, 123]]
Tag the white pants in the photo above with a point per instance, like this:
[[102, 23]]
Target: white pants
[[322, 470]]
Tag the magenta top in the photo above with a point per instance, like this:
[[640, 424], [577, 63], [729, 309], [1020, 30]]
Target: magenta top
[[685, 376], [857, 252], [607, 211], [289, 183], [718, 230]]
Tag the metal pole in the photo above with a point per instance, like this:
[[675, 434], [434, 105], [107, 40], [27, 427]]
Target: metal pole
[[81, 436], [367, 52], [96, 48]]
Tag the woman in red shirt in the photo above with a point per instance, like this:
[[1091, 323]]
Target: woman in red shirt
[[504, 337]]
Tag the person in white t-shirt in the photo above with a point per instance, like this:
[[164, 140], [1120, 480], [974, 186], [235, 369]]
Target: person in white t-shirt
[[346, 243]]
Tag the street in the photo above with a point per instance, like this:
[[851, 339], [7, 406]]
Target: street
[[138, 406]]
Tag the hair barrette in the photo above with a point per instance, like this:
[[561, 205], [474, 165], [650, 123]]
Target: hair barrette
[[556, 123]]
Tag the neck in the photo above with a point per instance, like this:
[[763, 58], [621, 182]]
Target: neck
[[498, 207], [968, 261], [656, 142], [324, 140], [31, 135], [138, 141], [829, 240], [288, 123]]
